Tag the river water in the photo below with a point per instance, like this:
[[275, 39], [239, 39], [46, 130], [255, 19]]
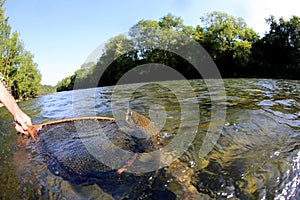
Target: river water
[[257, 154]]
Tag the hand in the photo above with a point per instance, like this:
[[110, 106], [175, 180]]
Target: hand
[[22, 122]]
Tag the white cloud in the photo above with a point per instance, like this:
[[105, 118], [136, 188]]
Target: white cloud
[[259, 10]]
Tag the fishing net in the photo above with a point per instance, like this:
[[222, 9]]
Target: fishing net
[[66, 147]]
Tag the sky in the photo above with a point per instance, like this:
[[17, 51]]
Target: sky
[[61, 34]]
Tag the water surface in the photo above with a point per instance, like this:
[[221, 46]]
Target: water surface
[[256, 157]]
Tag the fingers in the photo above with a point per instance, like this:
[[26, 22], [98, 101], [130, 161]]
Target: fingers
[[21, 126], [22, 123], [20, 129], [26, 124]]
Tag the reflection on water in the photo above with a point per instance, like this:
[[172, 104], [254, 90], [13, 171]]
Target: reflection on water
[[257, 155]]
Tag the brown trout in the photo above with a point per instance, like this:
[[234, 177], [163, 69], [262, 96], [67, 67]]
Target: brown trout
[[143, 124]]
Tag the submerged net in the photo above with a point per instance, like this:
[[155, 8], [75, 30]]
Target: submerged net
[[67, 155]]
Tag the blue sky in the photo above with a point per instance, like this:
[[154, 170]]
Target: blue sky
[[62, 33]]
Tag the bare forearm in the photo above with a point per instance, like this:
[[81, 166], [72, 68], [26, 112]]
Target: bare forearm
[[8, 100], [22, 121]]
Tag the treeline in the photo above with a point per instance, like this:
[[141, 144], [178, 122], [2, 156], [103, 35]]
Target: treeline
[[16, 64], [237, 50]]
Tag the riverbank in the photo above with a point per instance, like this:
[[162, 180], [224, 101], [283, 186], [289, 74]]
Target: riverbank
[[18, 100]]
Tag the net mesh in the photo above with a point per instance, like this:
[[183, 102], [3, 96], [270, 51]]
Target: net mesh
[[65, 152]]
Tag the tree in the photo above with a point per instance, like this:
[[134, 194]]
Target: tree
[[16, 64], [171, 22], [228, 40], [118, 57], [66, 84], [279, 50], [237, 50], [164, 34], [156, 40], [46, 89], [28, 77], [148, 41], [83, 74]]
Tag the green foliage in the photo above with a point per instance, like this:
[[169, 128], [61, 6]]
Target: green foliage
[[155, 43], [236, 49], [118, 56], [228, 40], [66, 84], [278, 51], [16, 64], [46, 89], [27, 81]]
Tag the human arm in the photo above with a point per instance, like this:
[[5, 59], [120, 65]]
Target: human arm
[[22, 121]]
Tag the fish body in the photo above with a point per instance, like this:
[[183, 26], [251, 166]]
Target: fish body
[[142, 124]]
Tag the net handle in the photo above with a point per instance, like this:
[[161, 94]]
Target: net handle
[[35, 128]]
